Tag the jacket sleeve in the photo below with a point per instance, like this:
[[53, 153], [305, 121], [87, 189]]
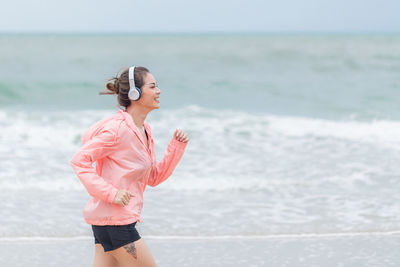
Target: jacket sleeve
[[163, 169], [100, 146]]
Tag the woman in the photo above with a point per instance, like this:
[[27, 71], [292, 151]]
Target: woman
[[123, 149]]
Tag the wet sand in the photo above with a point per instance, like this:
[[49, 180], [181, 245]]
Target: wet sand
[[365, 250]]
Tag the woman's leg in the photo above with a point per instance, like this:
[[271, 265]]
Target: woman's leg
[[135, 254], [104, 259]]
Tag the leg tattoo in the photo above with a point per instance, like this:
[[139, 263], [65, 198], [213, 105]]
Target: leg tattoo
[[130, 248]]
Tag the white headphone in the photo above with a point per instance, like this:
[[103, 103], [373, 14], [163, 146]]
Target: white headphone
[[134, 92]]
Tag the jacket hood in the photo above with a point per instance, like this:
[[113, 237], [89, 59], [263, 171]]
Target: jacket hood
[[121, 115], [93, 130]]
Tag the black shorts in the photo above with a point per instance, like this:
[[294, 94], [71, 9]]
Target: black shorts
[[115, 236]]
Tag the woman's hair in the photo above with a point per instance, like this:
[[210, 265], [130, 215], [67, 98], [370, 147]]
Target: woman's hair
[[120, 85]]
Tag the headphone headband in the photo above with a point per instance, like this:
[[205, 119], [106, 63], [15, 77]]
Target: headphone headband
[[134, 92], [132, 78]]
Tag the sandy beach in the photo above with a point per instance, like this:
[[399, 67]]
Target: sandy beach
[[325, 250]]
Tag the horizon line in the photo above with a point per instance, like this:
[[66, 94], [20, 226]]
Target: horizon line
[[199, 32]]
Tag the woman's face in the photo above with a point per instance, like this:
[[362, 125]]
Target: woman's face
[[150, 93]]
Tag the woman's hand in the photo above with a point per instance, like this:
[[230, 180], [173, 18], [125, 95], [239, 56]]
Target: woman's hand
[[181, 136], [122, 197]]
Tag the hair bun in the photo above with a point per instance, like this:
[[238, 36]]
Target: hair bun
[[113, 86]]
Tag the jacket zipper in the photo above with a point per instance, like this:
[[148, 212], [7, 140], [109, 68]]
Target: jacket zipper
[[147, 149]]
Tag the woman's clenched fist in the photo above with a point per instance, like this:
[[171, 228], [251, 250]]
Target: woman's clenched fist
[[122, 197], [181, 136]]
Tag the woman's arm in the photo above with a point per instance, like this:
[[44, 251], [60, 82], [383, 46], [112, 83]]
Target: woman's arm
[[163, 169], [100, 146]]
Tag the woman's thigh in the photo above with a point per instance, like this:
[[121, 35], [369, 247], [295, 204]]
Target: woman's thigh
[[135, 254], [103, 259]]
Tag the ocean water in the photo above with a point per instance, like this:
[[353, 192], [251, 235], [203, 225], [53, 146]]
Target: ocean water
[[290, 135]]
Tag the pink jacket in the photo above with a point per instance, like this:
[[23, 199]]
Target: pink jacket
[[122, 162]]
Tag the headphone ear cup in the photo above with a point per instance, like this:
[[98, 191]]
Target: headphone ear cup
[[134, 94]]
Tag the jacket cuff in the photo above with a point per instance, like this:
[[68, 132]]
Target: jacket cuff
[[178, 144], [112, 195]]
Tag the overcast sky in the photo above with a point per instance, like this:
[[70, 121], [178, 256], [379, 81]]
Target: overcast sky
[[200, 16]]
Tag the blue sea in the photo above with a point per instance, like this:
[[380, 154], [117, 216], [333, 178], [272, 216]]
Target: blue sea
[[290, 134]]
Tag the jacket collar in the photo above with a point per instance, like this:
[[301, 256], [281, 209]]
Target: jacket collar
[[131, 124]]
